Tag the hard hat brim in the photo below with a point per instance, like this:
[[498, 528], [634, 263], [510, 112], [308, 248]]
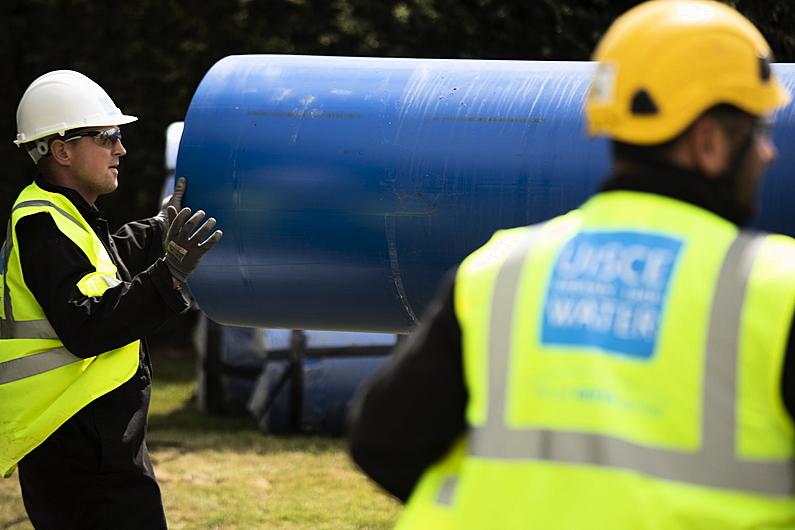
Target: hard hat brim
[[122, 119]]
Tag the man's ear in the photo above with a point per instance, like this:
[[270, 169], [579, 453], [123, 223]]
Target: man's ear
[[709, 146], [60, 153]]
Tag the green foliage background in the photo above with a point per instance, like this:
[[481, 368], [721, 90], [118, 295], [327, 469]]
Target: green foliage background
[[150, 55]]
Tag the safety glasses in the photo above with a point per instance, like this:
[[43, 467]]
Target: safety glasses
[[106, 138]]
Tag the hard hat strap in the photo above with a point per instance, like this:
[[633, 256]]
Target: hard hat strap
[[43, 146], [42, 149]]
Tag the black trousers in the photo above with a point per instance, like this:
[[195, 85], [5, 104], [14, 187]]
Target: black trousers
[[94, 472]]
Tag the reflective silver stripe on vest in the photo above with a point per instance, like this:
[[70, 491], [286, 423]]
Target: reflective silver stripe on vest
[[27, 329], [714, 465], [445, 497], [110, 281], [38, 363], [35, 364], [38, 203]]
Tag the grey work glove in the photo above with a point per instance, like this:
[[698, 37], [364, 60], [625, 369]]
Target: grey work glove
[[175, 200], [184, 247]]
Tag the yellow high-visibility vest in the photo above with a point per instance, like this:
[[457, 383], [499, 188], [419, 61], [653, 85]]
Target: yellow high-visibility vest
[[623, 364], [42, 384]]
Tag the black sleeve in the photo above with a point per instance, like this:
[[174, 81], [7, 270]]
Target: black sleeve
[[788, 374], [52, 265], [413, 409], [139, 244]]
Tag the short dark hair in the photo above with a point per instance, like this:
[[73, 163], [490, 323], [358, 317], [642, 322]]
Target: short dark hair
[[728, 116]]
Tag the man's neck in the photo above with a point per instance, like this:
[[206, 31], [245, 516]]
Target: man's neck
[[678, 183], [72, 194], [63, 182]]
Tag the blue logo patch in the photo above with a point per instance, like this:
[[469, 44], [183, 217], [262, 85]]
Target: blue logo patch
[[607, 291], [108, 106]]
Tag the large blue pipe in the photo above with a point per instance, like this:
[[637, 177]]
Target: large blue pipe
[[346, 187]]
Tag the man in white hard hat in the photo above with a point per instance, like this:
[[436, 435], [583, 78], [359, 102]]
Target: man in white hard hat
[[627, 365], [77, 303]]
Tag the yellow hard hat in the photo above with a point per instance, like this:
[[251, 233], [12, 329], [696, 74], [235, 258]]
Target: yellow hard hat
[[665, 62]]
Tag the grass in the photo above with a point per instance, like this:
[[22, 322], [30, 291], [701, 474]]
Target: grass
[[221, 473]]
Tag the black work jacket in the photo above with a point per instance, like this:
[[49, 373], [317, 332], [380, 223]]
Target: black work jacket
[[96, 465], [414, 409], [52, 265]]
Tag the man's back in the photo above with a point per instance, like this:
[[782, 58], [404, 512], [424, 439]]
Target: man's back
[[612, 370]]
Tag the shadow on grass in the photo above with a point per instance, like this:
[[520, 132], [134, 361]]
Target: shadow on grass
[[185, 429], [188, 430]]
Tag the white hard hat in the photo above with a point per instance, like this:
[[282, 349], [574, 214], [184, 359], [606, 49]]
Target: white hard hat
[[59, 101]]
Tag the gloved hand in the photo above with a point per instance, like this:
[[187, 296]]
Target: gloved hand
[[175, 200], [184, 248]]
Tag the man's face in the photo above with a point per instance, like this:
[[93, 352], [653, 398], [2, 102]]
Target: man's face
[[95, 163]]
